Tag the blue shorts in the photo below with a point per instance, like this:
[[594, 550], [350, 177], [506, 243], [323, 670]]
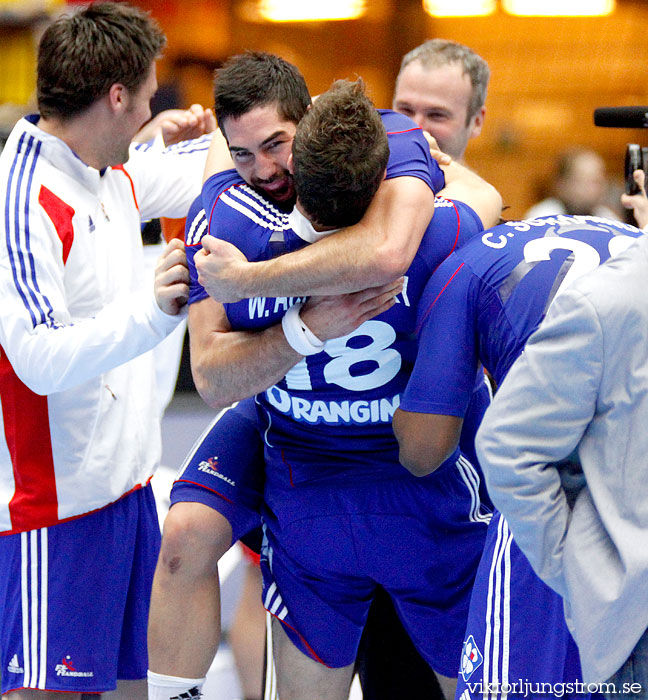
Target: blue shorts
[[480, 400], [225, 469], [327, 548], [74, 599], [516, 632]]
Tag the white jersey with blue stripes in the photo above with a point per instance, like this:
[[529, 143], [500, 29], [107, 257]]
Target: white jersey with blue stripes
[[78, 420]]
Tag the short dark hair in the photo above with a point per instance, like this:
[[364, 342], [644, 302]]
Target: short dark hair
[[81, 55], [434, 53], [255, 78], [340, 153]]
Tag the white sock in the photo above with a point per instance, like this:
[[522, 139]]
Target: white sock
[[162, 687]]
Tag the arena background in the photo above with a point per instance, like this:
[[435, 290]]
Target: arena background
[[548, 73]]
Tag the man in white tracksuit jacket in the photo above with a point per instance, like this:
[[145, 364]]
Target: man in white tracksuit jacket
[[79, 424]]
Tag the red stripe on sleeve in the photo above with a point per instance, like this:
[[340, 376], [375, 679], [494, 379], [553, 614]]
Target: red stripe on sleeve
[[26, 426], [404, 131], [130, 179], [61, 215], [431, 306]]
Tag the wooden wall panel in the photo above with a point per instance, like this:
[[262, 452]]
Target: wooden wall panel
[[548, 74]]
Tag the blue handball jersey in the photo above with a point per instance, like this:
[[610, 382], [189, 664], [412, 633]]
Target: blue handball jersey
[[486, 299], [333, 410], [409, 155], [237, 213]]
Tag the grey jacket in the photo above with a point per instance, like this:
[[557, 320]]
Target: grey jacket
[[582, 383]]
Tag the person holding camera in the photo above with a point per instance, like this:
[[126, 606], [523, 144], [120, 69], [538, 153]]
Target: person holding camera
[[638, 202]]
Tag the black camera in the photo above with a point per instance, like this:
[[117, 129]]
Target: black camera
[[636, 158], [627, 118]]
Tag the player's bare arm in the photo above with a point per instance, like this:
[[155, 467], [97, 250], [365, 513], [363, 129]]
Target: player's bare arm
[[218, 156], [374, 252], [466, 186], [231, 365], [425, 440]]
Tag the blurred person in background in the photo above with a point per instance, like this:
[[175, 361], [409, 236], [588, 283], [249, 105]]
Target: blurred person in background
[[580, 187]]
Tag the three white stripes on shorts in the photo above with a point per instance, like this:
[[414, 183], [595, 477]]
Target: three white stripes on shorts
[[471, 480], [33, 587], [498, 617]]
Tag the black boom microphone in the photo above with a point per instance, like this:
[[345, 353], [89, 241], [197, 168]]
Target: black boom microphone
[[624, 117]]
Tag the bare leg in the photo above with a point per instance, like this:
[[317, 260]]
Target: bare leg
[[247, 634], [184, 619], [299, 677], [448, 685]]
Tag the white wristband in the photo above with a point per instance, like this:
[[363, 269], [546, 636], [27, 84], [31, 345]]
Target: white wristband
[[299, 336]]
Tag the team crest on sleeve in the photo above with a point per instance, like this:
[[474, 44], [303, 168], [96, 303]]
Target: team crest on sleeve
[[471, 658], [210, 466]]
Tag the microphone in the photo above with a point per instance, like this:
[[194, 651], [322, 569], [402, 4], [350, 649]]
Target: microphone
[[625, 117]]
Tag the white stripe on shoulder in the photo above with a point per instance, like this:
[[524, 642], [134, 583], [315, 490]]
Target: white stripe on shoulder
[[264, 223], [197, 229], [260, 203], [245, 197], [200, 143]]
